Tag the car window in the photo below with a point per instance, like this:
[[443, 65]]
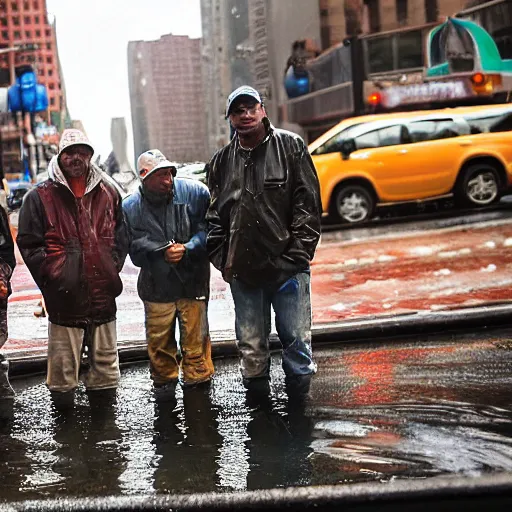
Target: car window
[[389, 136], [333, 145], [420, 131]]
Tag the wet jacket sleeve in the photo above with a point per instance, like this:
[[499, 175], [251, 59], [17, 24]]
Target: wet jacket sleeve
[[217, 235], [121, 237], [196, 246], [306, 217], [7, 258], [140, 246], [31, 231]]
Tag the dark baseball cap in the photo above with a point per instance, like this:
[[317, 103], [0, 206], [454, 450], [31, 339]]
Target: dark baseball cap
[[245, 90]]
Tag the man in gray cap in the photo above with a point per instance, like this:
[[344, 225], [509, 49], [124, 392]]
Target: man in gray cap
[[73, 240], [264, 225], [166, 222]]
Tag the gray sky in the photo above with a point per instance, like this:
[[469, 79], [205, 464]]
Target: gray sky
[[93, 37]]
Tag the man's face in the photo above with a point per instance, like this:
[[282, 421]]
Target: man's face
[[246, 115], [160, 181], [74, 160]]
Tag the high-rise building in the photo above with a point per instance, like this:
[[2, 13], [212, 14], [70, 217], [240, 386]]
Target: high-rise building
[[216, 70], [25, 22], [166, 96]]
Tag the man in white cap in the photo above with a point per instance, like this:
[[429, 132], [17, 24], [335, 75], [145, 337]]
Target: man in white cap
[[263, 228], [73, 240], [167, 227]]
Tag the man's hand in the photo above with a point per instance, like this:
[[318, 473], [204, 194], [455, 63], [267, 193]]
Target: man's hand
[[175, 253]]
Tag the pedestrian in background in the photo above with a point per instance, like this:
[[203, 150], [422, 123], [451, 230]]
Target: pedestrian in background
[[167, 227], [73, 239], [7, 264], [263, 228]]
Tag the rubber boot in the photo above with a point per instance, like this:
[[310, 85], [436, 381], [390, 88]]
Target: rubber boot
[[297, 387], [6, 391], [63, 400]]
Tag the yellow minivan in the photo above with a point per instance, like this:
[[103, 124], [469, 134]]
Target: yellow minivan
[[368, 161]]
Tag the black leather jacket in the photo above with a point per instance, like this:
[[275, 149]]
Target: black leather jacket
[[264, 218]]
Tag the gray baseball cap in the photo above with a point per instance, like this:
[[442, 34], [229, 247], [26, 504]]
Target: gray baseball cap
[[245, 90]]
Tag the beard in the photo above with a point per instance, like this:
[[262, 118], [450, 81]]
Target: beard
[[75, 169]]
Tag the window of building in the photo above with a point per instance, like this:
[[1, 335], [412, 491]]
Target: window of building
[[26, 6], [36, 19], [17, 34], [15, 20], [28, 34], [380, 55], [431, 10], [372, 15], [50, 72], [41, 72], [36, 5], [38, 33], [51, 86], [52, 102], [26, 19], [14, 6], [3, 22], [5, 34], [409, 50], [401, 11], [49, 60], [48, 32], [48, 46]]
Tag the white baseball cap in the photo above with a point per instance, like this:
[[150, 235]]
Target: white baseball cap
[[151, 161]]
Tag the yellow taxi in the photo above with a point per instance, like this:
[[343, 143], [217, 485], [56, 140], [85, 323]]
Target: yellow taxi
[[368, 161]]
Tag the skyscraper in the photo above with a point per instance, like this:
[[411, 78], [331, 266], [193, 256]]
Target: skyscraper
[[25, 22], [166, 96]]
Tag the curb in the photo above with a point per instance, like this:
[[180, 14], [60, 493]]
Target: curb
[[371, 329]]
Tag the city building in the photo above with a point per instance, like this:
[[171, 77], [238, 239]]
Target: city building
[[166, 96], [23, 24]]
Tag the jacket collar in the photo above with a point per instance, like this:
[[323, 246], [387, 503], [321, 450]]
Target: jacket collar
[[55, 173]]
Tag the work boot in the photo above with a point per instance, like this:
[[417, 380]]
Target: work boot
[[297, 386], [6, 391], [63, 400], [165, 392], [258, 392]]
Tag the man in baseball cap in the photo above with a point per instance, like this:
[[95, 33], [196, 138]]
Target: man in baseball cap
[[166, 221]]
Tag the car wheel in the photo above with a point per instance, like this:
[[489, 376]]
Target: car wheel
[[352, 204], [480, 185]]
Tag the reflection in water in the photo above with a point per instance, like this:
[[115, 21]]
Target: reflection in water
[[279, 447], [187, 445], [377, 412]]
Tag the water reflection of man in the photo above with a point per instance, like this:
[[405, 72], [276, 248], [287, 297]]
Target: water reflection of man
[[264, 225], [279, 446], [188, 450], [89, 456]]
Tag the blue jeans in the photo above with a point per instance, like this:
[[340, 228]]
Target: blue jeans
[[292, 307]]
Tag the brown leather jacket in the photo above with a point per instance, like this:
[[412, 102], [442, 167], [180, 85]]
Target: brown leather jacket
[[74, 247]]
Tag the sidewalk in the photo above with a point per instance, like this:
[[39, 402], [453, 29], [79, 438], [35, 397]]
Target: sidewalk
[[384, 286]]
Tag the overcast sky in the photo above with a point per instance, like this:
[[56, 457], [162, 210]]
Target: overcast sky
[[93, 36]]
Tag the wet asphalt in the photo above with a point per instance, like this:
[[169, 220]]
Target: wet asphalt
[[396, 409]]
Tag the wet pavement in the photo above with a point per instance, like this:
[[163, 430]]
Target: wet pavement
[[410, 408], [369, 273]]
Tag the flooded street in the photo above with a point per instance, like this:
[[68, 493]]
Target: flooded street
[[406, 409]]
